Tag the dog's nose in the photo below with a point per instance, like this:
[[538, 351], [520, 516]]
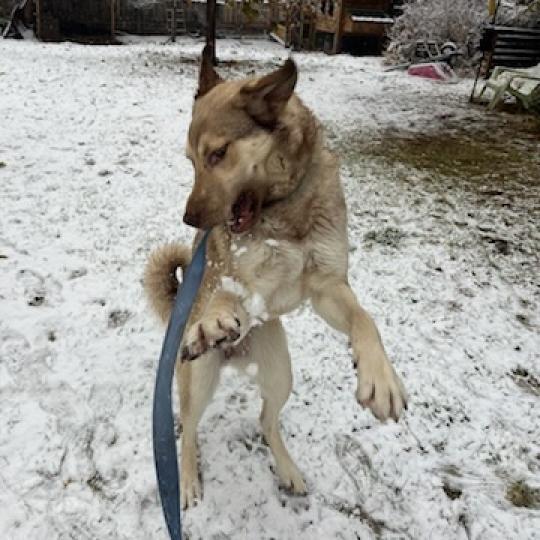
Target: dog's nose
[[193, 219]]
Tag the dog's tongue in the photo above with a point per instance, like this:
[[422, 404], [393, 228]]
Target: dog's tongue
[[243, 212]]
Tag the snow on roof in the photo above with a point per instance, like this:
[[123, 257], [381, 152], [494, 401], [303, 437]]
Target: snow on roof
[[368, 19]]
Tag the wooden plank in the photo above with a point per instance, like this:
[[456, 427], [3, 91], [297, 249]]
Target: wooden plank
[[113, 18], [326, 24], [361, 28], [521, 39], [523, 52], [338, 13], [512, 29], [511, 57], [38, 19]]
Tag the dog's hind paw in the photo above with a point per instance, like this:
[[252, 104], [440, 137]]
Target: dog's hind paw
[[291, 479], [211, 333], [191, 492]]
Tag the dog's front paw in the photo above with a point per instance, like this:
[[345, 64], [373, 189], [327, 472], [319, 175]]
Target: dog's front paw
[[221, 331], [379, 387]]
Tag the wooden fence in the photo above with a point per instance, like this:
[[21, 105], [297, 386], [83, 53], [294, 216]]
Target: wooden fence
[[151, 19]]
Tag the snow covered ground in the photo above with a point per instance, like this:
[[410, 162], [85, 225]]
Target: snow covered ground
[[444, 216]]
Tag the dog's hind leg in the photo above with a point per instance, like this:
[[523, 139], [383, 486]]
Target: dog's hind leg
[[197, 382], [268, 349]]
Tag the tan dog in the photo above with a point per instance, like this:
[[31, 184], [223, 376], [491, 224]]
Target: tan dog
[[271, 192]]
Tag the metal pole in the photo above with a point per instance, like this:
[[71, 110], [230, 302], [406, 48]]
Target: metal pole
[[211, 28]]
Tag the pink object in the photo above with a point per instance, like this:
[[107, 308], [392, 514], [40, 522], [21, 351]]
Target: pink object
[[437, 71]]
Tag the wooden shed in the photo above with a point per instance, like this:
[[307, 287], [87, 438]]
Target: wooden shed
[[335, 25], [78, 20]]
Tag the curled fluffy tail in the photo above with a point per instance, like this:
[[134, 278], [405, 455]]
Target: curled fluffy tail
[[160, 281]]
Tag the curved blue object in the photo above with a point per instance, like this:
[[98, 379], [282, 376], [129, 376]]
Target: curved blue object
[[162, 419]]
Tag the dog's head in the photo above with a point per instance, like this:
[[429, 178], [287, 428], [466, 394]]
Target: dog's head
[[234, 143]]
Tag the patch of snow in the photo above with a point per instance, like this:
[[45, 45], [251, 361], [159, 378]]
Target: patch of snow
[[229, 284], [143, 4], [457, 319], [253, 303], [380, 20], [256, 308]]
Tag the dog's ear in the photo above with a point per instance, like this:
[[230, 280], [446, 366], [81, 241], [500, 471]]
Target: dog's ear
[[208, 78], [264, 99]]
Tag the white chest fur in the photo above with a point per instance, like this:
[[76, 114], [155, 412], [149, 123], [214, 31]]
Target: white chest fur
[[272, 269]]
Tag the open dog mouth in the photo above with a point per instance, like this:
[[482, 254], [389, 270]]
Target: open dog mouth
[[245, 212]]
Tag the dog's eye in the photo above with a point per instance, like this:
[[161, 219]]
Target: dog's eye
[[217, 155]]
